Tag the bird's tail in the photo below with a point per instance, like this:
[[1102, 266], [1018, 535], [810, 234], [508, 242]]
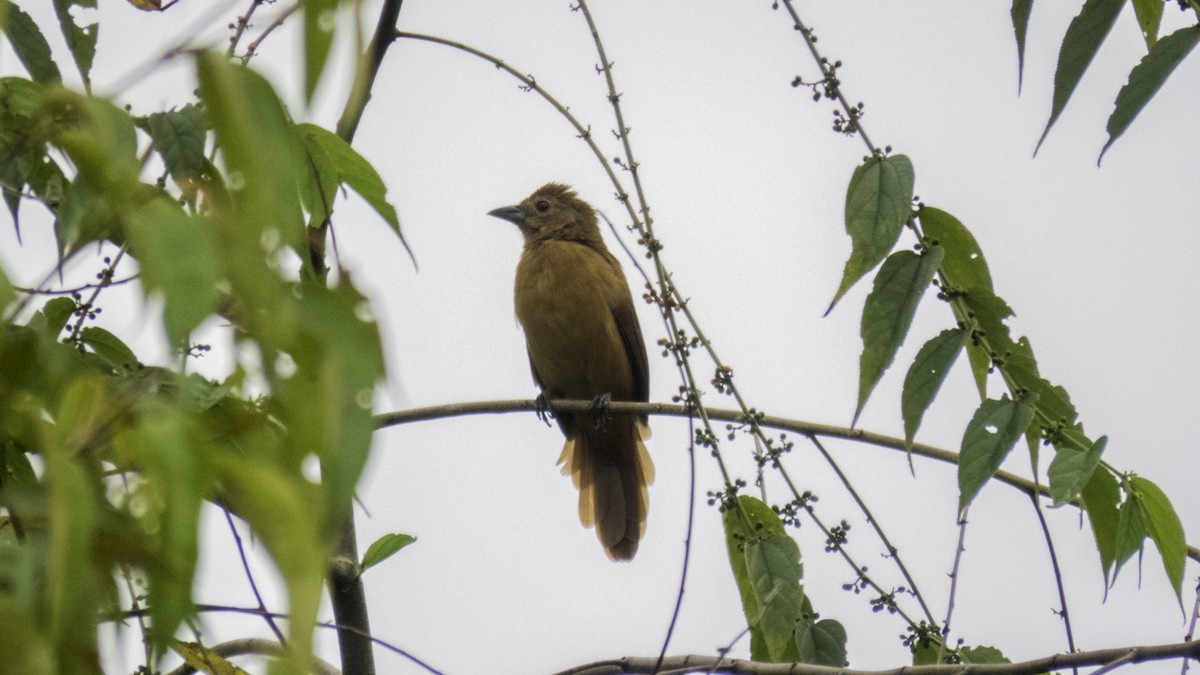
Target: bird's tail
[[611, 468]]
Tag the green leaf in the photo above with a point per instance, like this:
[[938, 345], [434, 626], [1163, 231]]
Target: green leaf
[[980, 655], [57, 312], [327, 403], [748, 521], [1146, 78], [81, 39], [29, 44], [822, 643], [888, 313], [177, 256], [989, 438], [319, 184], [1020, 20], [320, 20], [878, 203], [1083, 38], [110, 348], [1071, 471], [1131, 533], [963, 265], [926, 376], [1100, 498], [1149, 15], [100, 138], [1164, 528], [773, 564], [178, 136], [259, 144], [383, 548], [176, 461], [356, 172]]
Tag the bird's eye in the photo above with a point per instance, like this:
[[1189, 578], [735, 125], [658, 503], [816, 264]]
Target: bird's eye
[[543, 206]]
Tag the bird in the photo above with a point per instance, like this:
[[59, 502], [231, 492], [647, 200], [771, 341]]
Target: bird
[[584, 342]]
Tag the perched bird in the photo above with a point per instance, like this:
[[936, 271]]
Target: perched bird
[[584, 342]]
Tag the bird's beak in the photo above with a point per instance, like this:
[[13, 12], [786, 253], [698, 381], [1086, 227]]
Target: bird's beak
[[513, 214]]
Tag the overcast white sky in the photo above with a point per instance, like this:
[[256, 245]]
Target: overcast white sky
[[747, 185]]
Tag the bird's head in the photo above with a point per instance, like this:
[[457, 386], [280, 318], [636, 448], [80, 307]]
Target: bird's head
[[553, 211]]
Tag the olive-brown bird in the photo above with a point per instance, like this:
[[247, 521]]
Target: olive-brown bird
[[584, 342]]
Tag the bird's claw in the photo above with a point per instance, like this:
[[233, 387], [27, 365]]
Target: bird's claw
[[543, 411], [600, 412]]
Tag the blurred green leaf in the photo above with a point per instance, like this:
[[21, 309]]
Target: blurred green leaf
[[320, 20], [1071, 471], [1081, 42], [963, 264], [878, 203], [821, 643], [29, 43], [178, 136], [1149, 16], [1100, 497], [23, 641], [1164, 528], [1147, 77], [80, 39], [110, 348], [177, 256], [100, 138], [7, 294], [385, 547], [319, 185], [981, 655], [259, 144], [57, 312], [205, 660], [990, 435], [888, 313], [1020, 20], [926, 376], [327, 402]]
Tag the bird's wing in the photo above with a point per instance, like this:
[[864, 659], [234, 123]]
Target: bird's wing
[[635, 348]]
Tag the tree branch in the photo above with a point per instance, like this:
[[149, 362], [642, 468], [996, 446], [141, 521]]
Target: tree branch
[[810, 429], [713, 664]]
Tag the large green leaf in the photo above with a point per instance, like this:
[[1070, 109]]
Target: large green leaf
[[1131, 532], [821, 643], [80, 39], [1071, 470], [1147, 77], [990, 435], [29, 43], [177, 256], [1164, 528], [179, 138], [878, 203], [1100, 498], [355, 171], [963, 264], [1081, 42], [749, 521], [926, 376], [888, 313], [773, 563]]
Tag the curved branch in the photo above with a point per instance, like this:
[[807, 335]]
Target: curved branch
[[801, 427], [714, 664]]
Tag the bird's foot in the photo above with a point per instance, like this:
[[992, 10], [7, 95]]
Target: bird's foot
[[600, 412], [543, 411]]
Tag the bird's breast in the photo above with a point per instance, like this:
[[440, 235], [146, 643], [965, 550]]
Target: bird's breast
[[564, 295]]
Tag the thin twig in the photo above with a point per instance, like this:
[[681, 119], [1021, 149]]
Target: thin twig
[[252, 48], [1058, 579], [954, 570], [237, 539], [893, 552]]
